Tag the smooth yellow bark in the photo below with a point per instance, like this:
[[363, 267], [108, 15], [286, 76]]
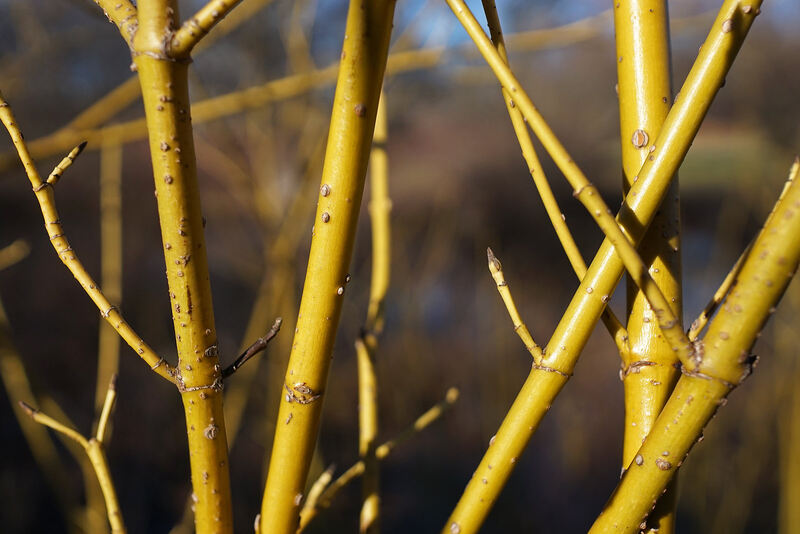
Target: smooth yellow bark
[[645, 95], [352, 122]]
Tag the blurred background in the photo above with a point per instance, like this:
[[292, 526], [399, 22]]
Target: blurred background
[[457, 184]]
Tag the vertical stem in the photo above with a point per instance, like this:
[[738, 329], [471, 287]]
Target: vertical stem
[[645, 96], [352, 122], [97, 457], [110, 262], [366, 346], [165, 91]]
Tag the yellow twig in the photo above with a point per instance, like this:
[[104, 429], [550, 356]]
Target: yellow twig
[[65, 164], [726, 361], [312, 507], [45, 195], [191, 31], [105, 413], [94, 450], [367, 343], [496, 268], [612, 323], [571, 334]]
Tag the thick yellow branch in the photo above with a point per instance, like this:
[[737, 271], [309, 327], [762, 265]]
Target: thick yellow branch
[[165, 92], [726, 361], [572, 332], [352, 123], [645, 95]]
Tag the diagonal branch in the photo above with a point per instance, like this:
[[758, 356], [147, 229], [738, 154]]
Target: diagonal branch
[[46, 197], [196, 27]]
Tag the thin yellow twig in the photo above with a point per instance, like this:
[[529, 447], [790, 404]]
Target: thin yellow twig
[[49, 422], [366, 346], [610, 320], [94, 450], [496, 268], [108, 407], [45, 195], [198, 25]]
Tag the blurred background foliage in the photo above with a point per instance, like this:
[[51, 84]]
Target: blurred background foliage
[[457, 184]]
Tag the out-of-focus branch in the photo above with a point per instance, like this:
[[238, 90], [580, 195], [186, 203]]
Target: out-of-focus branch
[[95, 451]]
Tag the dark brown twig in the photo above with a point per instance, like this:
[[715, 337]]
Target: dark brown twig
[[259, 345]]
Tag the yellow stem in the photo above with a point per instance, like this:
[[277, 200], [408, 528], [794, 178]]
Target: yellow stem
[[105, 413], [366, 346], [96, 453], [725, 362], [496, 268], [645, 95], [563, 350], [110, 261], [352, 122], [165, 92]]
